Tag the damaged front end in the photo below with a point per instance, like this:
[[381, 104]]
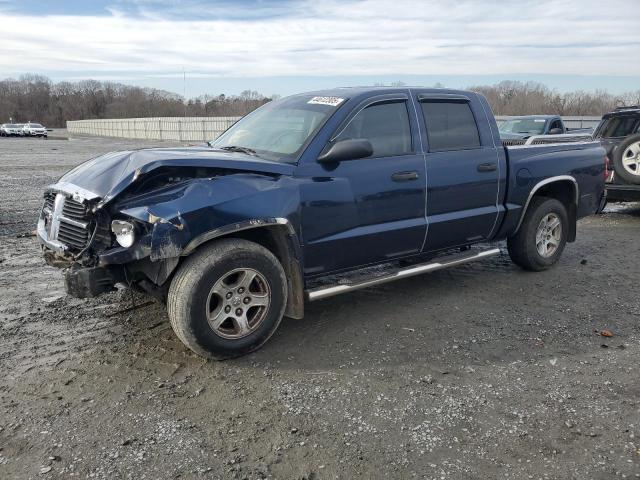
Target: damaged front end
[[99, 246], [136, 233], [72, 232]]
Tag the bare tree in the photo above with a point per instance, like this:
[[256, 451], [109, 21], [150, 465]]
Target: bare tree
[[527, 98], [36, 98]]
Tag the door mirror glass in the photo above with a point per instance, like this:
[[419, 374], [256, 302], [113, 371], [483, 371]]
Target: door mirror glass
[[350, 149], [555, 131]]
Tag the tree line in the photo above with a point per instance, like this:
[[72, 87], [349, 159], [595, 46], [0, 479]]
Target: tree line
[[528, 98], [36, 98]]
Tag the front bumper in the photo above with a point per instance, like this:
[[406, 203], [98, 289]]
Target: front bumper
[[87, 282], [43, 237]]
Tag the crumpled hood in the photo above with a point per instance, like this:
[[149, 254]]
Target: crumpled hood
[[108, 175]]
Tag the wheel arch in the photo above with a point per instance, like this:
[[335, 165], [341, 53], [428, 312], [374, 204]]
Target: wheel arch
[[279, 237], [563, 188]]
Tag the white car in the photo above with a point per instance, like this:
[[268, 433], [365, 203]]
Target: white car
[[34, 130], [11, 130]]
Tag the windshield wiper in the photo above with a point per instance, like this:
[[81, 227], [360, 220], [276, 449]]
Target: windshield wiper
[[237, 148]]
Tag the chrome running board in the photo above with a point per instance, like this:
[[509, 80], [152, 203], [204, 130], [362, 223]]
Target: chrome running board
[[319, 293]]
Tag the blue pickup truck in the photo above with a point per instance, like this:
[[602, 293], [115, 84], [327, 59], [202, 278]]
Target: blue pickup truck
[[312, 196], [525, 126]]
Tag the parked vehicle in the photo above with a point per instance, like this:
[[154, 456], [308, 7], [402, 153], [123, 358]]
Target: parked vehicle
[[11, 130], [308, 197], [523, 127], [619, 133], [34, 130]]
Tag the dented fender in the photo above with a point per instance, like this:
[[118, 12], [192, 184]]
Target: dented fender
[[175, 220]]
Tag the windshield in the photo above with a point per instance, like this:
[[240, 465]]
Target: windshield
[[35, 125], [280, 129], [620, 126], [532, 126]]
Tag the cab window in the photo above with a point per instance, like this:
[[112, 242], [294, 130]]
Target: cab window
[[385, 125], [450, 125]]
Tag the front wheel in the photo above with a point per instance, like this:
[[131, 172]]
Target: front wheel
[[542, 236], [227, 299]]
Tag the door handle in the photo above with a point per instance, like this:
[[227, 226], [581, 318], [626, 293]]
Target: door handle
[[404, 176], [487, 167]]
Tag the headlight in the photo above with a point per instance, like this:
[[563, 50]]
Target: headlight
[[125, 232]]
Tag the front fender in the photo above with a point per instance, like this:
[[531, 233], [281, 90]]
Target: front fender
[[178, 219]]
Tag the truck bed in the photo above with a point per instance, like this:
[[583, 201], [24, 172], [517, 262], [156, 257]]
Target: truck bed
[[580, 163]]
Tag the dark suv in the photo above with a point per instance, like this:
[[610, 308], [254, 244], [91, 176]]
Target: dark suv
[[619, 133]]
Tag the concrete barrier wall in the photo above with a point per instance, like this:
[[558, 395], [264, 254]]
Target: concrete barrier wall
[[182, 129], [202, 129]]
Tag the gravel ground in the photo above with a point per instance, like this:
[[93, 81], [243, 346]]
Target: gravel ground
[[482, 371]]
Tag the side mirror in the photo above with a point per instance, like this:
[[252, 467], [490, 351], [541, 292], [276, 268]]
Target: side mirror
[[555, 131], [351, 149]]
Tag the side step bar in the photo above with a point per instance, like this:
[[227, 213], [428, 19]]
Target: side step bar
[[329, 291]]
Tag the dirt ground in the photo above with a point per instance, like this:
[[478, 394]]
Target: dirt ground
[[478, 372]]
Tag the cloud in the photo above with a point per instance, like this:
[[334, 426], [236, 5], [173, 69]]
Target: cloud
[[349, 37]]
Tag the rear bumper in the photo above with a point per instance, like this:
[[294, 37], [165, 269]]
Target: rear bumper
[[623, 193]]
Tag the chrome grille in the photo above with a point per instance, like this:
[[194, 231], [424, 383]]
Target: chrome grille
[[49, 198], [66, 221], [76, 237], [74, 210]]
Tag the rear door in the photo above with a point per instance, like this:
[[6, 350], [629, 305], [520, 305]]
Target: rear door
[[463, 171]]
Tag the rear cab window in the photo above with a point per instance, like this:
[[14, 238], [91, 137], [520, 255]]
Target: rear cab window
[[385, 125], [450, 125]]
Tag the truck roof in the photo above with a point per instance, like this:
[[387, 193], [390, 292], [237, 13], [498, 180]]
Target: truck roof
[[631, 110], [367, 91]]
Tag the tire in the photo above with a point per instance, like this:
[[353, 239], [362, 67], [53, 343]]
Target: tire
[[523, 246], [626, 160], [197, 301]]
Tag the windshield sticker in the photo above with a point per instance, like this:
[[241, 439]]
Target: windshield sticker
[[331, 101], [539, 120]]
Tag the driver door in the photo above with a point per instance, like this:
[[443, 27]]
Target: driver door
[[363, 211]]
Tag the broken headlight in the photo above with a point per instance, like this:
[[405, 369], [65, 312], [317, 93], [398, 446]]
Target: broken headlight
[[125, 232]]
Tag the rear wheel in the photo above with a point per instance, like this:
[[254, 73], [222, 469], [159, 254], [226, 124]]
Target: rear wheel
[[542, 236], [227, 299], [626, 160]]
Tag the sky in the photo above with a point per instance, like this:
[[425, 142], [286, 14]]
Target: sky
[[284, 47]]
